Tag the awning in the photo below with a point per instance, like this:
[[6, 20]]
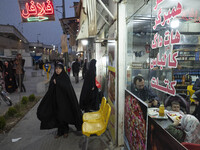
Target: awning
[[88, 26], [83, 31], [88, 19]]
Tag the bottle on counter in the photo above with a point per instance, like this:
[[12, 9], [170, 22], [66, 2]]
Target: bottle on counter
[[162, 110], [183, 79]]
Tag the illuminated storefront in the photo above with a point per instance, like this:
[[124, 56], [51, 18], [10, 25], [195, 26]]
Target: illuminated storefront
[[162, 46]]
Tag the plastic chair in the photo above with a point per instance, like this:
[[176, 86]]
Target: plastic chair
[[191, 146], [183, 102], [98, 127], [94, 116], [191, 92]]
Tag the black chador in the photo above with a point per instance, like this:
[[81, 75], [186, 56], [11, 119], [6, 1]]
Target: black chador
[[9, 77], [59, 107], [88, 98]]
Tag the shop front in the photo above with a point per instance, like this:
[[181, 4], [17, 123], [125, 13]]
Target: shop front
[[163, 47]]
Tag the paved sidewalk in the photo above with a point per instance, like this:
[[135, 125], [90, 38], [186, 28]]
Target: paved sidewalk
[[32, 138], [30, 84]]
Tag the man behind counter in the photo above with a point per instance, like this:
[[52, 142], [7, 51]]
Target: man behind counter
[[144, 93]]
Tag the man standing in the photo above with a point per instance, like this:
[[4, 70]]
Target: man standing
[[76, 69], [144, 93], [19, 62], [85, 68]]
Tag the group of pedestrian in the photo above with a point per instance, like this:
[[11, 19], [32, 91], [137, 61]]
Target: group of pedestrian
[[59, 107], [12, 74], [76, 66]]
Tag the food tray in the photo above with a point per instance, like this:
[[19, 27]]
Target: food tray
[[174, 115], [153, 113]]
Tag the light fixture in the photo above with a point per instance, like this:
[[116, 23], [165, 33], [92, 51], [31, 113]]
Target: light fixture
[[34, 47], [20, 40], [175, 23], [84, 42]]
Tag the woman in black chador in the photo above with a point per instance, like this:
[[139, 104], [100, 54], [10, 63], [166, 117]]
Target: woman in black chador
[[59, 107], [9, 77], [88, 98]]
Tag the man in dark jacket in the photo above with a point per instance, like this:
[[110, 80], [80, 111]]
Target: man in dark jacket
[[85, 68], [141, 91], [76, 69]]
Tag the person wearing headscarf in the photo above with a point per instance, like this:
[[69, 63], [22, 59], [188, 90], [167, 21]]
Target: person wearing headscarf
[[188, 131], [190, 124], [196, 97], [59, 107], [89, 90], [9, 78]]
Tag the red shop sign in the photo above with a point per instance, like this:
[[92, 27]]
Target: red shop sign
[[36, 10]]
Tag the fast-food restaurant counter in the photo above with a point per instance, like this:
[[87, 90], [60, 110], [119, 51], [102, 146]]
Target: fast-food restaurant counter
[[166, 120], [158, 137], [142, 131]]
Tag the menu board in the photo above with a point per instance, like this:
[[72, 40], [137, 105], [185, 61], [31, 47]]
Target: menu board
[[135, 122]]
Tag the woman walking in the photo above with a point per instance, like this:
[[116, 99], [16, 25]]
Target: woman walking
[[88, 98], [59, 107]]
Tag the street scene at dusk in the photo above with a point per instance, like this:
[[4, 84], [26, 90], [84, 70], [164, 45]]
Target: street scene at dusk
[[99, 75]]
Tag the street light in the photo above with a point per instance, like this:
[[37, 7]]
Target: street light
[[84, 42]]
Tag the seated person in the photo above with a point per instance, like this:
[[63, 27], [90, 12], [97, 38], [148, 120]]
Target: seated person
[[187, 131], [196, 97], [196, 85], [144, 93], [175, 106]]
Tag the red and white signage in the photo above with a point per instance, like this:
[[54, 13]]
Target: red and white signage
[[36, 10], [168, 58]]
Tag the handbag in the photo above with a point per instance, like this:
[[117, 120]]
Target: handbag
[[97, 84]]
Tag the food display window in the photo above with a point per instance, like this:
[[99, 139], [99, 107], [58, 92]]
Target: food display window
[[163, 44]]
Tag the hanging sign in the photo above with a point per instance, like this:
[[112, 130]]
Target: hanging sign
[[36, 10]]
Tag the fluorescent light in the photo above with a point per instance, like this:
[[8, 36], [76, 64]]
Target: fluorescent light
[[175, 23]]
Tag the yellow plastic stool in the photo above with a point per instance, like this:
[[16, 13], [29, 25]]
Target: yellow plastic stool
[[94, 116], [98, 127]]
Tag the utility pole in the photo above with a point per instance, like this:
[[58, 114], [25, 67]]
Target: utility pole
[[63, 5], [66, 53]]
